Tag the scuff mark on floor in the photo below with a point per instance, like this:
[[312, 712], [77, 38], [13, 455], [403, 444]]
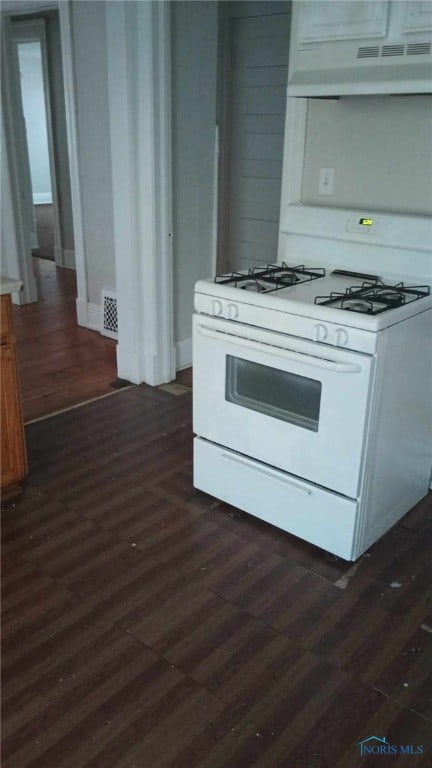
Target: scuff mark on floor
[[175, 389], [344, 580], [426, 628]]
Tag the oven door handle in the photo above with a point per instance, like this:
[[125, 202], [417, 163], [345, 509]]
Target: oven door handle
[[280, 351], [268, 471]]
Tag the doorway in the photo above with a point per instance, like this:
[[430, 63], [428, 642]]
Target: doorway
[[139, 167], [252, 105], [34, 109], [37, 54], [60, 364]]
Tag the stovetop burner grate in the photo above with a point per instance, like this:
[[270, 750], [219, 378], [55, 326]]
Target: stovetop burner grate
[[375, 297], [270, 278]]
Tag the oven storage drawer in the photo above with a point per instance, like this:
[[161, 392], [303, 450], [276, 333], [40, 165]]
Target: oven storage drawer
[[312, 513]]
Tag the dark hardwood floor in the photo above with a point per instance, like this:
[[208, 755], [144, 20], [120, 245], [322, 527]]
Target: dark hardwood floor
[[147, 625], [60, 364]]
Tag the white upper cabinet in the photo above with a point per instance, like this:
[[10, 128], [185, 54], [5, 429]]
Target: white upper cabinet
[[418, 16], [324, 20]]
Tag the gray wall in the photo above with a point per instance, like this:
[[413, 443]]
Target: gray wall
[[89, 39], [380, 148], [194, 66]]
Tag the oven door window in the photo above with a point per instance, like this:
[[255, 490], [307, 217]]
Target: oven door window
[[279, 394]]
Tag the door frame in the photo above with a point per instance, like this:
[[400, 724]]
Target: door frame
[[64, 8], [139, 85], [20, 262]]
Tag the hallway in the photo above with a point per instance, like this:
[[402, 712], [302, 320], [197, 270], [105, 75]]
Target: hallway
[[60, 364]]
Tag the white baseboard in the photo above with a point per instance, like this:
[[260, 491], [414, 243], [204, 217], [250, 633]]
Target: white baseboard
[[94, 314], [42, 198], [81, 310], [68, 258], [64, 257], [183, 354], [89, 315]]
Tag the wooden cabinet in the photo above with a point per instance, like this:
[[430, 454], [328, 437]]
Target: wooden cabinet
[[13, 452]]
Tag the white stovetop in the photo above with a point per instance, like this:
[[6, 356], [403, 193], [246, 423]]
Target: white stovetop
[[300, 300]]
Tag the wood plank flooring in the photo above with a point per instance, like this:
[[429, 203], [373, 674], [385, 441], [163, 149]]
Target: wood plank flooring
[[146, 625], [59, 363]]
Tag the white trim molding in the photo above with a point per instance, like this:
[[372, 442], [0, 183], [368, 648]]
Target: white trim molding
[[94, 315], [183, 354], [138, 39], [89, 315], [65, 257], [65, 16], [68, 258]]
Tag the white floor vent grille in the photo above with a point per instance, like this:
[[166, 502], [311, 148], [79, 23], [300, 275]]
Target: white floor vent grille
[[110, 316]]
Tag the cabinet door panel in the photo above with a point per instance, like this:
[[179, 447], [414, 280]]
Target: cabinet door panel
[[13, 462], [5, 319], [418, 16], [343, 20]]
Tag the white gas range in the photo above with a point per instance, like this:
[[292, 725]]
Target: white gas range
[[312, 399]]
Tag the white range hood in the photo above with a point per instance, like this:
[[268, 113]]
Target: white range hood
[[360, 47]]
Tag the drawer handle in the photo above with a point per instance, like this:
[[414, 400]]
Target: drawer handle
[[274, 474], [276, 349]]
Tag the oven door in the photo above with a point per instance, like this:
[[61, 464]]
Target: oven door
[[294, 404]]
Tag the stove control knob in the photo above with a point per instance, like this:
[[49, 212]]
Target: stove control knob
[[216, 307], [341, 337], [232, 311], [321, 332]]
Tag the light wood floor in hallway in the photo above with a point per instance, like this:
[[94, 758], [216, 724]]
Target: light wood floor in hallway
[[60, 364]]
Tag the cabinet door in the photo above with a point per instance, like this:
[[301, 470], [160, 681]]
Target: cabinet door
[[418, 16], [13, 462], [342, 20]]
